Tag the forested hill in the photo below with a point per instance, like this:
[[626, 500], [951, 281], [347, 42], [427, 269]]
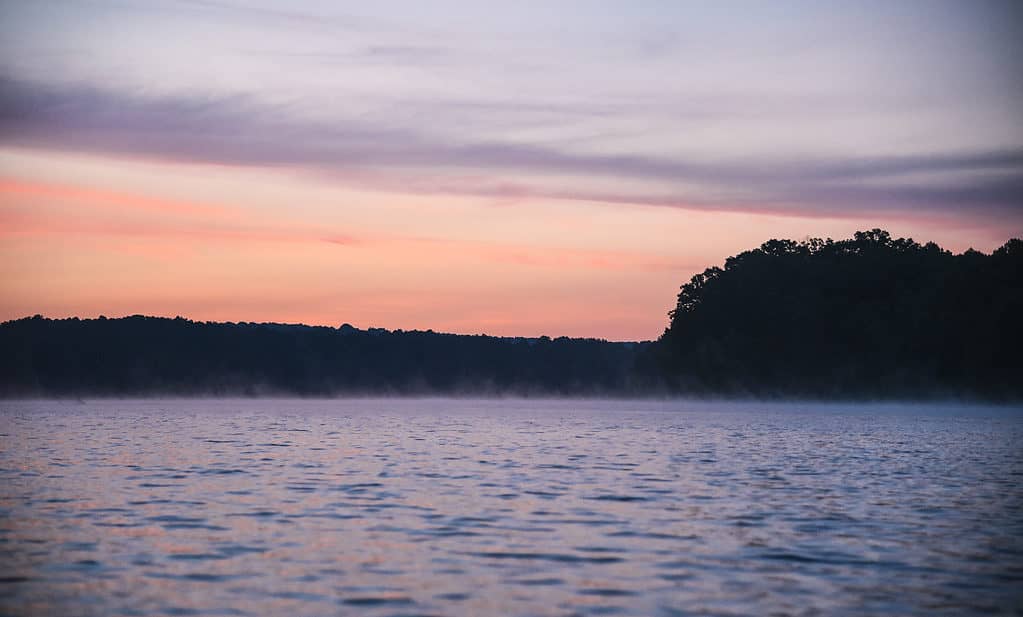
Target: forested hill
[[872, 316], [868, 317], [157, 356]]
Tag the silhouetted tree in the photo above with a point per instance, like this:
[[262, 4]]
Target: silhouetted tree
[[868, 316], [871, 316], [149, 355]]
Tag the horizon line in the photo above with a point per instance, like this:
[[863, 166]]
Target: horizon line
[[104, 317]]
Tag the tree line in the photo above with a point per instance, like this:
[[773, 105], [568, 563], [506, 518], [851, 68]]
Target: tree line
[[159, 356], [871, 316], [867, 317]]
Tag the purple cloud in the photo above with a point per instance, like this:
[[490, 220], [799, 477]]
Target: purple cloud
[[244, 132]]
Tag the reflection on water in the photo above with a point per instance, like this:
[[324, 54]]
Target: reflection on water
[[412, 507]]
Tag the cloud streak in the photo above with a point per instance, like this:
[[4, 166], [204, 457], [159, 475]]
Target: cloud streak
[[240, 131], [119, 214]]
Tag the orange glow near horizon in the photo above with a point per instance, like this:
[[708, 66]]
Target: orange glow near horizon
[[230, 246], [522, 169]]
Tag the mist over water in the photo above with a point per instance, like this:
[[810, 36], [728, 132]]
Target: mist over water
[[508, 507]]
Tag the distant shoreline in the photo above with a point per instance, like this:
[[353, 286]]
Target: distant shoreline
[[872, 318], [681, 399]]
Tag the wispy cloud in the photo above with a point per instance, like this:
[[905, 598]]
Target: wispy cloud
[[390, 55], [271, 15], [17, 188], [106, 213], [242, 131]]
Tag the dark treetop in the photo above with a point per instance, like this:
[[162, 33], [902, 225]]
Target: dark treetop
[[152, 355], [867, 317], [871, 316]]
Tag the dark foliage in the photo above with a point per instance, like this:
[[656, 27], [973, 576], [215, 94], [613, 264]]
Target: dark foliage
[[149, 355], [868, 317], [872, 316]]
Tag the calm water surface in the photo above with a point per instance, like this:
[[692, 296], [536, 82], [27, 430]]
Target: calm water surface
[[439, 507]]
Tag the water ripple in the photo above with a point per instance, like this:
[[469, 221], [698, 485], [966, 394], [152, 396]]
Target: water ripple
[[459, 508]]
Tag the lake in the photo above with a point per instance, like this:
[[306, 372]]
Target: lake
[[508, 507]]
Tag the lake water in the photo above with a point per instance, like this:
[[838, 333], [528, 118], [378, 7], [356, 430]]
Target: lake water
[[440, 507]]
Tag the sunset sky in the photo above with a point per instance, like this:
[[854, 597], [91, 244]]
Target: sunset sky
[[516, 168]]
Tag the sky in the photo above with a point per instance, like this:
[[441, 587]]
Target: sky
[[520, 169]]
